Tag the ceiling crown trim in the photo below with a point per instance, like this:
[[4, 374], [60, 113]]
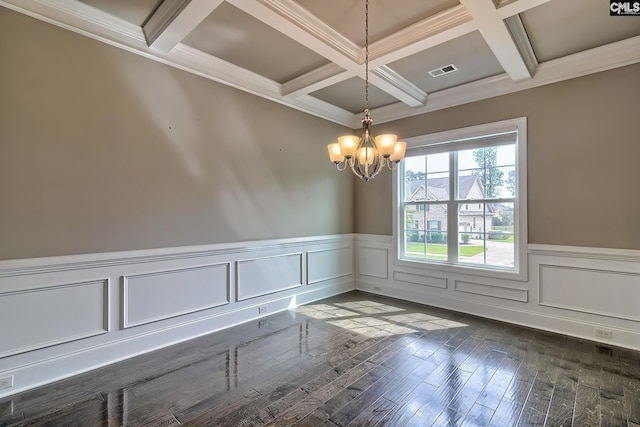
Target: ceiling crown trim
[[500, 26]]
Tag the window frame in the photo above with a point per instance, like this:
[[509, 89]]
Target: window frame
[[456, 140]]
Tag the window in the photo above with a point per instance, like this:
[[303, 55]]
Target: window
[[461, 199]]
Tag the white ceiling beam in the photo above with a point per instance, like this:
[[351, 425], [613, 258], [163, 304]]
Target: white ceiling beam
[[498, 37], [508, 8], [173, 20], [413, 95], [321, 77], [520, 38]]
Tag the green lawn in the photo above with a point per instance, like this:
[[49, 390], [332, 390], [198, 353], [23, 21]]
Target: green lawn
[[441, 249]]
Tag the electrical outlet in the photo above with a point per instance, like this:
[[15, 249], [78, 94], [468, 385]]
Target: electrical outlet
[[604, 333], [263, 308], [263, 323], [6, 382]]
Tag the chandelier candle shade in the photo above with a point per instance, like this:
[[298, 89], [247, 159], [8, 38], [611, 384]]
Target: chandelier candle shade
[[366, 155]]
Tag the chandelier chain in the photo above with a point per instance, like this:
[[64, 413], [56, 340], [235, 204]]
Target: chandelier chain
[[366, 57], [367, 155]]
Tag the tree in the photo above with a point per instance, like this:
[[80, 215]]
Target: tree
[[414, 176], [491, 176]]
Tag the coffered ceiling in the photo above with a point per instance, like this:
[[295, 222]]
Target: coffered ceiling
[[309, 54]]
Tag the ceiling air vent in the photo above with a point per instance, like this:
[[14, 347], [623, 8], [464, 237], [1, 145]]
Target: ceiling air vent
[[443, 70]]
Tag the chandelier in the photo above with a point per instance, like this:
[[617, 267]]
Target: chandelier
[[366, 155]]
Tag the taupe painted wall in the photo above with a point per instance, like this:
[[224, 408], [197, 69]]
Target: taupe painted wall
[[583, 159], [103, 150]]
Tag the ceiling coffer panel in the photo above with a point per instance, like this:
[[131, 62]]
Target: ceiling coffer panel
[[349, 95], [236, 37], [470, 54], [560, 28], [385, 16]]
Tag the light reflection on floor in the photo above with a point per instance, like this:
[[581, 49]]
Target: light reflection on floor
[[357, 316]]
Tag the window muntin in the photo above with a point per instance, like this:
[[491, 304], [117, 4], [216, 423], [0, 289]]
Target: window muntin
[[482, 224]]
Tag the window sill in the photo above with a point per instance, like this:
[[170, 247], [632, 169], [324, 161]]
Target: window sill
[[468, 270]]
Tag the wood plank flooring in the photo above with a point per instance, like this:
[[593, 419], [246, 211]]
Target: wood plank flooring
[[356, 360]]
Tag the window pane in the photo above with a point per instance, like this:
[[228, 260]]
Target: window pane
[[510, 184], [506, 155], [500, 237], [427, 178], [471, 185], [438, 186], [426, 232], [473, 221], [486, 234], [438, 177], [415, 178], [484, 173]]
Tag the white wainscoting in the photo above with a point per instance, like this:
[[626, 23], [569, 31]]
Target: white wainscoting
[[328, 264], [160, 295], [373, 260], [600, 292], [256, 277], [61, 316], [44, 316], [570, 290]]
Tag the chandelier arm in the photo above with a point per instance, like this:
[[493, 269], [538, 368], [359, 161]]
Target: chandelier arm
[[391, 164], [355, 171], [343, 164]]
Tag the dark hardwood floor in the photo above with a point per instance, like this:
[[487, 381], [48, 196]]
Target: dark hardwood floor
[[356, 360]]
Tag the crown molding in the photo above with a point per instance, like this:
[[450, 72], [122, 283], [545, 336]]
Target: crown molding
[[81, 18], [437, 29], [91, 22]]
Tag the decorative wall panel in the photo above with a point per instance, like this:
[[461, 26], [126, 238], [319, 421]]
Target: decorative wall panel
[[373, 262], [419, 279], [514, 294], [262, 276], [606, 293], [327, 264], [163, 294], [44, 316]]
